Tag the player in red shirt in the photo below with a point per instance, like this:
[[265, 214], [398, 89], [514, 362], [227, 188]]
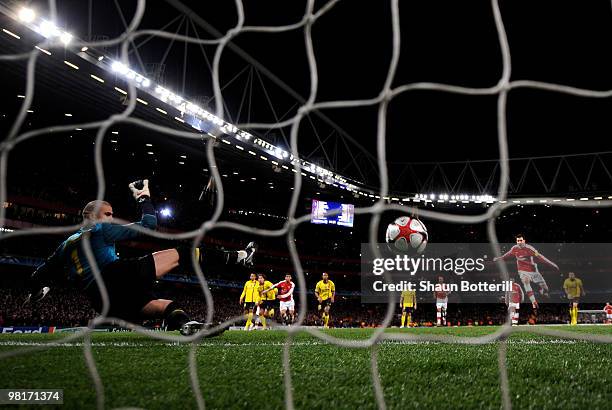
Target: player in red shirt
[[285, 295], [441, 301], [608, 310], [526, 257]]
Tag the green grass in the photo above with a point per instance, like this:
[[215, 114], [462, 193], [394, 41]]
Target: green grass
[[240, 369]]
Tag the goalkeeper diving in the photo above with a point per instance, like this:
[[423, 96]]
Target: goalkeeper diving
[[129, 282]]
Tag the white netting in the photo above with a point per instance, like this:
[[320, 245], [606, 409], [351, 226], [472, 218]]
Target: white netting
[[501, 90]]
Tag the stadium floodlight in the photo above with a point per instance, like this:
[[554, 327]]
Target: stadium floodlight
[[65, 38], [83, 49], [26, 15], [165, 212], [48, 29], [146, 82]]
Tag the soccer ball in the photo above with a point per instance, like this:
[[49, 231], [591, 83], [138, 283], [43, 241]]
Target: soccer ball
[[407, 235]]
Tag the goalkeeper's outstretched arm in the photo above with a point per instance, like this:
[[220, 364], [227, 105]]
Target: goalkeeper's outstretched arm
[[140, 191]]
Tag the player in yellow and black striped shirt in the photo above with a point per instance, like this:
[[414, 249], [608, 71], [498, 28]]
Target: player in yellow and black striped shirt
[[325, 293], [249, 299], [573, 289], [408, 303], [267, 296]]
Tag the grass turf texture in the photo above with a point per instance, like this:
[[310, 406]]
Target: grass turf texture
[[244, 369]]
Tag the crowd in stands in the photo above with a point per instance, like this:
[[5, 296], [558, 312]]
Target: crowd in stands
[[67, 307]]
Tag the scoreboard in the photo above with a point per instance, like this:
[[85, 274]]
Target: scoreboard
[[332, 213]]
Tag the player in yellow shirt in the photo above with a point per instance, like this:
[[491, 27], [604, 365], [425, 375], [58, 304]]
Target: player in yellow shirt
[[325, 293], [267, 295], [573, 289], [249, 299], [408, 304]]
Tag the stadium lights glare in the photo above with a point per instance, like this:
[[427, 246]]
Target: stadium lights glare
[[26, 15], [165, 212], [83, 49], [65, 38]]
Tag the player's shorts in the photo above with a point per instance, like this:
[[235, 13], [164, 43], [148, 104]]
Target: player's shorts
[[442, 305], [249, 305], [289, 304], [574, 300], [267, 304], [129, 283], [407, 309], [324, 303], [515, 306], [609, 316], [535, 277]]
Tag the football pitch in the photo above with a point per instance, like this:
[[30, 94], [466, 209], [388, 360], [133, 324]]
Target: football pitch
[[244, 370]]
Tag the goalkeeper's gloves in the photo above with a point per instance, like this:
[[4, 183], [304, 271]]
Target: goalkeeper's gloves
[[37, 297], [140, 190]]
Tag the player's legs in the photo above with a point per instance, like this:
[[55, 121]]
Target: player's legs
[[262, 316], [211, 257], [444, 308], [291, 316], [439, 312], [514, 312], [165, 261], [403, 321], [574, 311], [526, 279], [249, 309], [327, 316]]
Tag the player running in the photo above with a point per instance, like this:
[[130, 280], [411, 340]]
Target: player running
[[408, 304], [285, 295], [325, 291], [249, 299], [608, 310], [573, 290], [441, 297], [267, 296], [526, 257], [128, 282]]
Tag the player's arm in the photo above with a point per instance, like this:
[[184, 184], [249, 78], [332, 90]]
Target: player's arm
[[544, 259], [402, 300], [244, 292], [505, 255], [273, 287], [113, 233], [414, 302], [332, 290], [582, 292], [40, 279], [566, 288], [318, 292]]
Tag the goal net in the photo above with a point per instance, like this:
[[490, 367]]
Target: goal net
[[501, 90]]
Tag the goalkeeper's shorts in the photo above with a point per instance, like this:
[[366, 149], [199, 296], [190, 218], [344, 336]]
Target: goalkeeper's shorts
[[407, 309], [129, 283]]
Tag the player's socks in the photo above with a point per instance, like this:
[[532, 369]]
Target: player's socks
[[175, 317], [263, 321], [529, 292], [438, 318], [249, 321], [326, 320], [403, 319], [409, 319]]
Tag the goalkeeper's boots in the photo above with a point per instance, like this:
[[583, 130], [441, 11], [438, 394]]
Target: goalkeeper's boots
[[194, 326], [246, 256]]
